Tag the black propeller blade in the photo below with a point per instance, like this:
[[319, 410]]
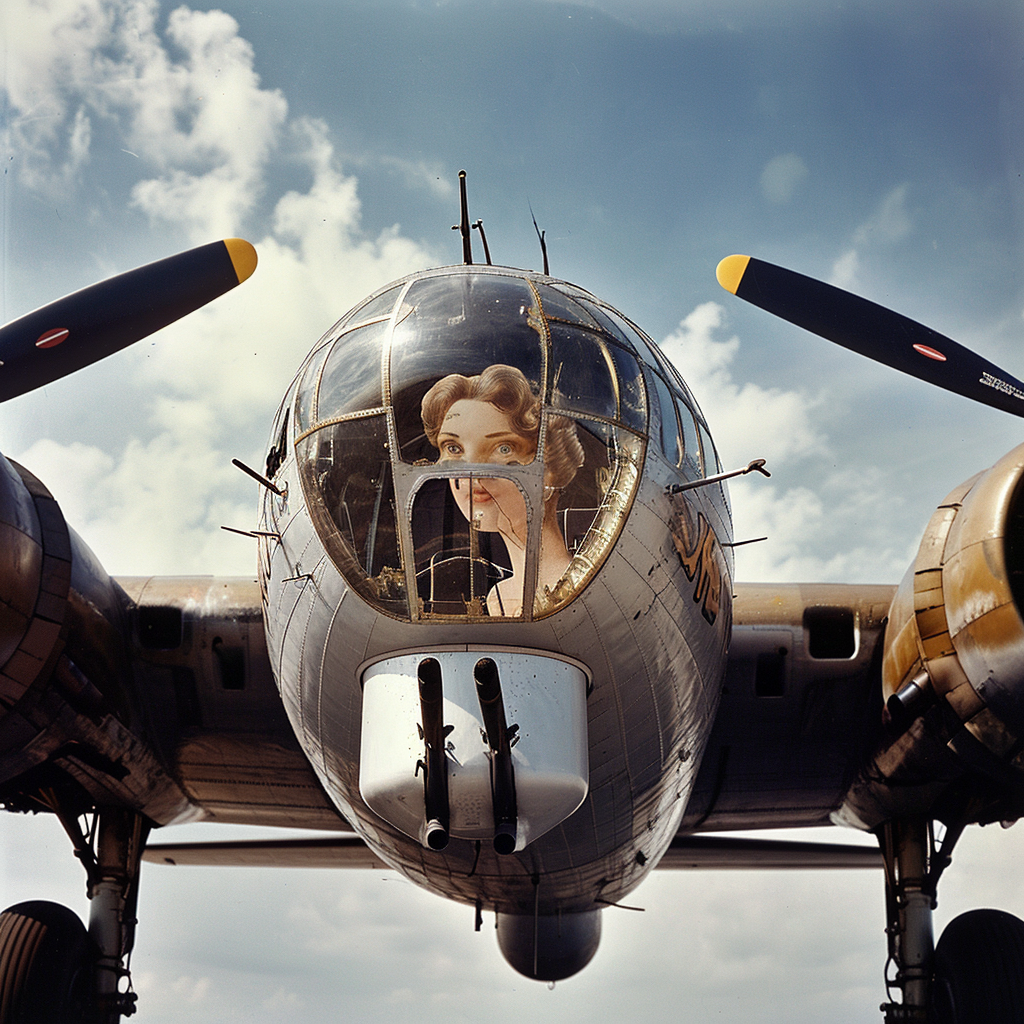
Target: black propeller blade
[[871, 330], [97, 321]]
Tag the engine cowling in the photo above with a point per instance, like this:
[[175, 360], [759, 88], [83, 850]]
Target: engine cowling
[[953, 669], [71, 731], [957, 614], [35, 578]]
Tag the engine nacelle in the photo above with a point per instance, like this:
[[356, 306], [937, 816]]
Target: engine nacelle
[[953, 670], [35, 577], [67, 719], [957, 614]]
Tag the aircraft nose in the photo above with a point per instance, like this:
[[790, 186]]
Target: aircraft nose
[[475, 368]]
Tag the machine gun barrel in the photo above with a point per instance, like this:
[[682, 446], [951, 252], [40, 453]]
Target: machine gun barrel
[[500, 737], [435, 780]]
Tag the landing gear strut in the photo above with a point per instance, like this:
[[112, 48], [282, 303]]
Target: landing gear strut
[[53, 970], [975, 975], [912, 867], [113, 895]]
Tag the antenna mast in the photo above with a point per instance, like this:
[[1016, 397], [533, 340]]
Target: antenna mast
[[543, 243], [463, 226]]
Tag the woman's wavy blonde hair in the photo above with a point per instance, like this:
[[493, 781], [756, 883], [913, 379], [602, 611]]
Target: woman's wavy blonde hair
[[507, 389]]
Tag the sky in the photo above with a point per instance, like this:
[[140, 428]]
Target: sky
[[876, 147]]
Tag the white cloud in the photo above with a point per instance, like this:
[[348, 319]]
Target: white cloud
[[840, 528], [156, 506], [428, 174], [208, 137], [888, 224], [240, 352], [890, 221], [839, 531], [779, 420], [56, 42], [198, 118], [844, 270], [204, 121], [283, 1002], [781, 177]]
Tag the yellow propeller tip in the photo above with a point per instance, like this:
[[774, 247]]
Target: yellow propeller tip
[[730, 272], [243, 257]]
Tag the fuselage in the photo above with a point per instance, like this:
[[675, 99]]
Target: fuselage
[[475, 463]]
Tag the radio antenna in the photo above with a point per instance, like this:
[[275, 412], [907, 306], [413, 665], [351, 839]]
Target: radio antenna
[[479, 225], [543, 244], [463, 226]]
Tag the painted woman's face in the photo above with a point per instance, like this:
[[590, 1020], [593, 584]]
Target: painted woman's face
[[476, 431]]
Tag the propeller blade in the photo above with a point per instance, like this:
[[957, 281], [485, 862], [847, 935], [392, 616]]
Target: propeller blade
[[871, 330], [97, 321]]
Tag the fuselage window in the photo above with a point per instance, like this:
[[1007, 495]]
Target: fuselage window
[[452, 334], [350, 381], [381, 306], [671, 445], [711, 463], [691, 446], [345, 470], [306, 394]]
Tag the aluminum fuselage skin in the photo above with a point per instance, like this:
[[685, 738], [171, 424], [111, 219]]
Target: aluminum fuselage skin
[[651, 628]]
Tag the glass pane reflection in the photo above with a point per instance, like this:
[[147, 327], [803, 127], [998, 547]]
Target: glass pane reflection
[[380, 306], [582, 373], [691, 446], [351, 378], [459, 530], [669, 426], [489, 370], [307, 388], [594, 506], [459, 326], [346, 476]]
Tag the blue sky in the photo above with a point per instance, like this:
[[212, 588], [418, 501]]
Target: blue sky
[[876, 147]]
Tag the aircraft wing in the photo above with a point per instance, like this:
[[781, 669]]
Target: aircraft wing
[[336, 851], [799, 711], [200, 658], [347, 850], [801, 706]]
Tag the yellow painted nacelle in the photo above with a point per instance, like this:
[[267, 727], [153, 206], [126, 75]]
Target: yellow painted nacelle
[[953, 669]]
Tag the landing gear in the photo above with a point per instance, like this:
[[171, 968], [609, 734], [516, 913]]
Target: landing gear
[[113, 894], [979, 970], [52, 969], [911, 875], [975, 975], [46, 965]]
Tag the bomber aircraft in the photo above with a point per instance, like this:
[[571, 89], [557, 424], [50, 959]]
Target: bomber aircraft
[[494, 641]]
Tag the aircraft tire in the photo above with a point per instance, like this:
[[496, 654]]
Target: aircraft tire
[[45, 965], [979, 970]]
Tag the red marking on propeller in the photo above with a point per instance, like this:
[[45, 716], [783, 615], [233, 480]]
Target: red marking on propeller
[[931, 353], [51, 339]]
